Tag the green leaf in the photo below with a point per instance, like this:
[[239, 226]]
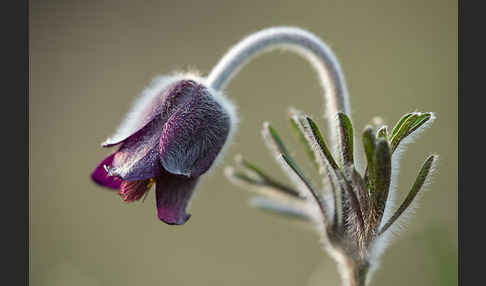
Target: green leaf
[[289, 163], [264, 178], [243, 177], [382, 132], [417, 186], [290, 209], [331, 166], [403, 130], [421, 120], [399, 124], [316, 133], [298, 125], [369, 146], [278, 143], [382, 168], [410, 124], [335, 172], [345, 129]]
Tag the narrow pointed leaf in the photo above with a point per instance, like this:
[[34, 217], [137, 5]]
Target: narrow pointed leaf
[[410, 125], [322, 144], [417, 186], [335, 172], [243, 177], [382, 166], [296, 121], [346, 144], [331, 166], [345, 131], [289, 210], [399, 124], [260, 186], [402, 132], [369, 145], [420, 121], [264, 178], [276, 145], [312, 192], [323, 159]]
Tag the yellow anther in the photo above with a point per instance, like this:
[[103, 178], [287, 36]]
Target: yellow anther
[[150, 183]]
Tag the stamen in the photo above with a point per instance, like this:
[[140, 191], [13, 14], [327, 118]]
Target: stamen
[[135, 190]]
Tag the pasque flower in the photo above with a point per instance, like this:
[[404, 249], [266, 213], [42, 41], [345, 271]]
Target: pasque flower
[[171, 137], [181, 124]]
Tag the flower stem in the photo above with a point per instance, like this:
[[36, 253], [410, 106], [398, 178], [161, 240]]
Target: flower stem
[[297, 40], [354, 273]]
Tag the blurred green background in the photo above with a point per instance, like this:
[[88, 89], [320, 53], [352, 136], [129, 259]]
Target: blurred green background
[[88, 61]]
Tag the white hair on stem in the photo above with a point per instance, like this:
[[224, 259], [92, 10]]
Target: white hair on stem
[[293, 39]]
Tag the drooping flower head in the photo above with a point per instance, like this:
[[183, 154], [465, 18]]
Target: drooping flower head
[[172, 136]]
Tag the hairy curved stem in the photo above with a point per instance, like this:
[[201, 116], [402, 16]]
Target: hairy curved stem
[[355, 275], [297, 40]]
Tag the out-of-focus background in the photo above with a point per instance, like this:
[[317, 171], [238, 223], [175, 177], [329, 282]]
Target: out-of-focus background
[[90, 59]]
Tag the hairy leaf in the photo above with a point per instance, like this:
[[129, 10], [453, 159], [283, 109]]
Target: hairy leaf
[[382, 132], [292, 210], [409, 125], [264, 177], [316, 133], [297, 123], [345, 131], [331, 166], [369, 144], [417, 186], [399, 124], [312, 192], [382, 166]]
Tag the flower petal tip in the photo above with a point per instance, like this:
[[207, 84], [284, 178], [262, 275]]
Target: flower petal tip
[[174, 220], [173, 194], [101, 176]]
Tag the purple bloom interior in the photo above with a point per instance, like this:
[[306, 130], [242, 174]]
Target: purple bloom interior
[[172, 139]]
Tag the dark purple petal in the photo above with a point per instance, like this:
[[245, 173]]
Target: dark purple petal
[[101, 177], [134, 190], [138, 157], [173, 194], [194, 135], [162, 98]]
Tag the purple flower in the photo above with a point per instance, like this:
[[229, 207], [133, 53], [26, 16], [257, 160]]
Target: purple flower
[[171, 137]]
